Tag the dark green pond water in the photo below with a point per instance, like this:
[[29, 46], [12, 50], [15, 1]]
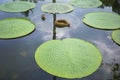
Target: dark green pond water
[[17, 55]]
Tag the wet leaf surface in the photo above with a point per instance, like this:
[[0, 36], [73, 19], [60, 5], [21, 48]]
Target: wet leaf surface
[[116, 36], [15, 27], [68, 58], [86, 3], [57, 8], [102, 20], [18, 6]]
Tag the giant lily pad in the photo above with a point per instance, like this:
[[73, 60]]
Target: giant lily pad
[[56, 8], [68, 58], [86, 3], [116, 36], [15, 27], [102, 20], [18, 6]]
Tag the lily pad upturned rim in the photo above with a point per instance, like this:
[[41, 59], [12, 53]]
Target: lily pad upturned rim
[[50, 8], [89, 19], [85, 5], [12, 8], [116, 36], [13, 33], [68, 64]]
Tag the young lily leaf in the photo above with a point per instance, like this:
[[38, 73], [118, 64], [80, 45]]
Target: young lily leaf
[[68, 58], [116, 36], [102, 20], [15, 27], [18, 6], [56, 8], [86, 3]]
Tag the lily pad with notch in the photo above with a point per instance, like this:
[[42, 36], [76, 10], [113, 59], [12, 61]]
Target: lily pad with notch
[[102, 20], [57, 8], [15, 27], [86, 3], [68, 58], [17, 6], [116, 36]]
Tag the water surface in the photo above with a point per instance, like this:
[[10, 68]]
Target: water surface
[[17, 55]]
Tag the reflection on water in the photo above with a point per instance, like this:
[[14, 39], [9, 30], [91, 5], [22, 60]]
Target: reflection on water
[[26, 13], [49, 21], [17, 55], [35, 1], [54, 27], [114, 3], [116, 71], [108, 2], [116, 6]]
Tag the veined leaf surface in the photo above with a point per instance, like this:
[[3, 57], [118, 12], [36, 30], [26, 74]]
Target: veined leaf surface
[[15, 27], [86, 3], [68, 58], [56, 8], [116, 36], [102, 20], [18, 6]]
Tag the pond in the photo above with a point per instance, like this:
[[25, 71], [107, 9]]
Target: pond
[[17, 55]]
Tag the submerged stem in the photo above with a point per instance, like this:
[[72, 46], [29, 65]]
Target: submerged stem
[[54, 1], [54, 78], [54, 27]]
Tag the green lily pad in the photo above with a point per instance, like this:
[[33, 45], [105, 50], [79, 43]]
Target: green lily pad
[[86, 3], [116, 36], [56, 8], [68, 58], [15, 27], [102, 20], [18, 6]]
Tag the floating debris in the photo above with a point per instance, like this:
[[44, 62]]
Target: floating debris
[[23, 54], [61, 23], [43, 17]]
